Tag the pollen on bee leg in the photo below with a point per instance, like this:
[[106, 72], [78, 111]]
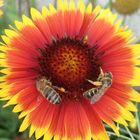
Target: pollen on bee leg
[[96, 83], [61, 89]]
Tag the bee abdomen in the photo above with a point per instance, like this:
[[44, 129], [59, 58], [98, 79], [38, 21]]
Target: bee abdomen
[[96, 98], [57, 99], [90, 93], [52, 96]]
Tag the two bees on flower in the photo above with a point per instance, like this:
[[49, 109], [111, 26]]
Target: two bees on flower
[[103, 83]]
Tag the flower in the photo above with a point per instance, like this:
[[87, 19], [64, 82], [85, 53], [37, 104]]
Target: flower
[[1, 4], [70, 47], [126, 6]]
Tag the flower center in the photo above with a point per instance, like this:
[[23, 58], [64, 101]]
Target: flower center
[[68, 63]]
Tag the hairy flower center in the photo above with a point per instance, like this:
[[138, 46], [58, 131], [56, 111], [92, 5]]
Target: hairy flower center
[[68, 63]]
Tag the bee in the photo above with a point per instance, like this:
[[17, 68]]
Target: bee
[[44, 86], [103, 83]]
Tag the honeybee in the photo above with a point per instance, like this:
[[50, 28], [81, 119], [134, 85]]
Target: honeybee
[[103, 83], [44, 86]]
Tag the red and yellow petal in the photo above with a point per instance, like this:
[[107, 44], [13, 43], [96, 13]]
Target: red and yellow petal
[[97, 130]]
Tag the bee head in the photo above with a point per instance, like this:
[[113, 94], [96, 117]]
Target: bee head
[[108, 74], [41, 82]]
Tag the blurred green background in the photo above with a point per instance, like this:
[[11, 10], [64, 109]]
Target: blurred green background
[[13, 10]]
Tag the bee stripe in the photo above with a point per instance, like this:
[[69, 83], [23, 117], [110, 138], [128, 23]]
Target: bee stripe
[[91, 93], [54, 98], [57, 101], [50, 94], [46, 91]]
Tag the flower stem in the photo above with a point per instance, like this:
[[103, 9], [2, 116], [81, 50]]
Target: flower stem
[[121, 136], [132, 138], [125, 132]]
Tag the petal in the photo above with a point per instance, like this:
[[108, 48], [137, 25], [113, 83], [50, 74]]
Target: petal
[[97, 128]]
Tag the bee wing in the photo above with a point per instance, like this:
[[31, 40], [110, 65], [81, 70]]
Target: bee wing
[[107, 82], [101, 92], [96, 98]]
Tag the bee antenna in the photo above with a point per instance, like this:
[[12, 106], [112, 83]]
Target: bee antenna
[[101, 71], [89, 81]]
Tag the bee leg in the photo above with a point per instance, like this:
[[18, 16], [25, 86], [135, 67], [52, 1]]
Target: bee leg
[[60, 89], [96, 83]]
